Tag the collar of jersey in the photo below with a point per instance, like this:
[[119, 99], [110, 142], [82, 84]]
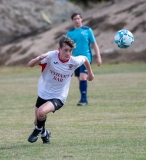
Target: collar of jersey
[[62, 60]]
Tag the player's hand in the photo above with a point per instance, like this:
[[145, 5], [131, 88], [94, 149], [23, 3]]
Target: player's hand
[[90, 77], [98, 61], [42, 56]]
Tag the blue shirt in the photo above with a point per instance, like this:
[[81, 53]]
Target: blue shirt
[[82, 37]]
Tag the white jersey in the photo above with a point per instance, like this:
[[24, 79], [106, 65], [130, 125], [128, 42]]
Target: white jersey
[[56, 75]]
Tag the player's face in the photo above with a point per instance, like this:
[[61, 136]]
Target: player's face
[[77, 21], [65, 53]]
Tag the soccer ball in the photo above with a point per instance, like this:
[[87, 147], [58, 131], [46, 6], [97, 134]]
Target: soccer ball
[[124, 38]]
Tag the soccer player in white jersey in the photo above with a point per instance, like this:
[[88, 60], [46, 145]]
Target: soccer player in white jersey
[[58, 67]]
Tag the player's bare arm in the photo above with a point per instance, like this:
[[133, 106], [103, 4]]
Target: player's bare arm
[[97, 52], [90, 76], [36, 60]]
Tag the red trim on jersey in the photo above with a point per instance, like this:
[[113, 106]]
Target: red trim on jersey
[[60, 59], [43, 66]]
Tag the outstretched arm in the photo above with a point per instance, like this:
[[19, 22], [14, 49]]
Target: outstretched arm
[[36, 60], [90, 76]]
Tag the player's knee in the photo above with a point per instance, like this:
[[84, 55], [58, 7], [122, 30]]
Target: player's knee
[[41, 113], [83, 76]]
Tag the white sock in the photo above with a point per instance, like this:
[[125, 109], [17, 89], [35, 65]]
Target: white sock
[[44, 134], [38, 128]]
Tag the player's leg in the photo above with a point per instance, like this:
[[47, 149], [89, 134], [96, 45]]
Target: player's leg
[[41, 119], [45, 133], [41, 113], [83, 86], [57, 104], [37, 131]]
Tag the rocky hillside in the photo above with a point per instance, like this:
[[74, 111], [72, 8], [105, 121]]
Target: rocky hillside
[[21, 18], [105, 20]]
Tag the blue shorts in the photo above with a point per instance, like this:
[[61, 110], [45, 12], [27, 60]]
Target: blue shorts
[[81, 69]]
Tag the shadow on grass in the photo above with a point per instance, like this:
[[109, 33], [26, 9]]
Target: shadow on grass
[[16, 147]]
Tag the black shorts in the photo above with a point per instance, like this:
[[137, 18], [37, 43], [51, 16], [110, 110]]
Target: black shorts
[[56, 102]]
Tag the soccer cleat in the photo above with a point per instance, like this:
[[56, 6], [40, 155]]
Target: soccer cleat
[[34, 136], [81, 103], [46, 139]]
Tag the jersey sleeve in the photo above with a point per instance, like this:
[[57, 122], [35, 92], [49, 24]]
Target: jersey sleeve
[[46, 60], [79, 61], [91, 36]]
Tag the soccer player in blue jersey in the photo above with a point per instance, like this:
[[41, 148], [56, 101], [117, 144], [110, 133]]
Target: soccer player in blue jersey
[[83, 37]]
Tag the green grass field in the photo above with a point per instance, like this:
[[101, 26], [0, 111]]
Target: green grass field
[[111, 127]]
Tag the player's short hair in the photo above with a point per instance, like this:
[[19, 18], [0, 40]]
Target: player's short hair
[[75, 14], [66, 41]]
